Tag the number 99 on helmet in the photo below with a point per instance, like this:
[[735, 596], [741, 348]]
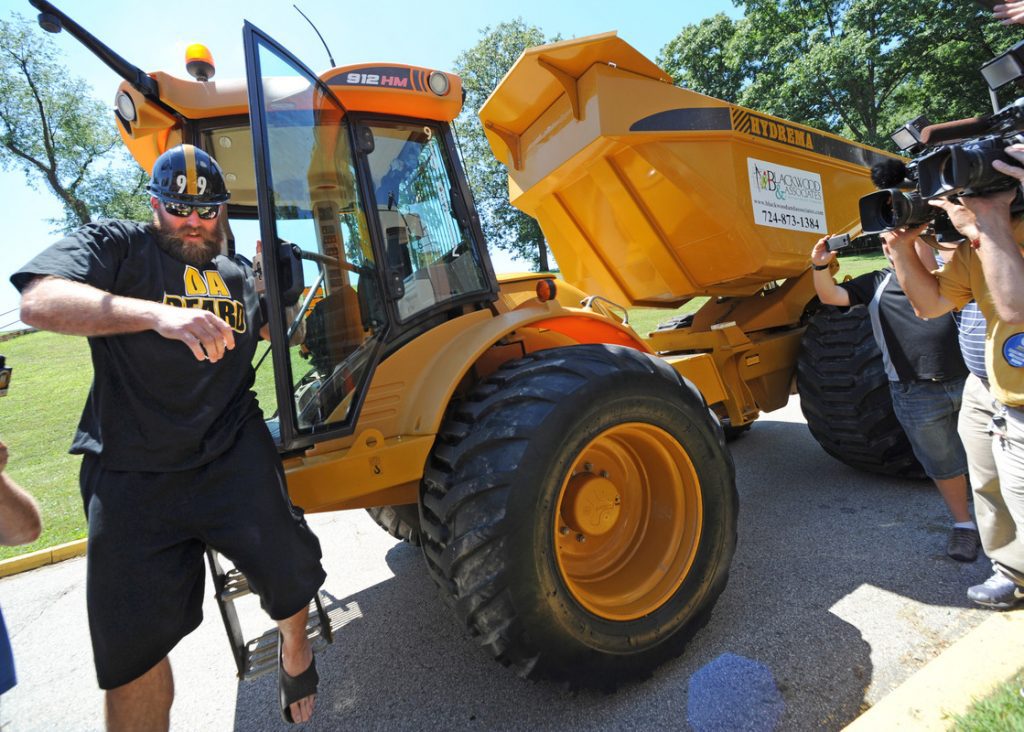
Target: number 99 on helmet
[[188, 175]]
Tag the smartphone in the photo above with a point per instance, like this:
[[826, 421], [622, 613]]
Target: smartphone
[[837, 242]]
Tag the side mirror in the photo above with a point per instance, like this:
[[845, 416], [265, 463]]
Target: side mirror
[[371, 305], [365, 142], [289, 264]]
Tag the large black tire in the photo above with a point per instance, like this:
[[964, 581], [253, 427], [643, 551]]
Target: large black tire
[[844, 394], [402, 522], [592, 441]]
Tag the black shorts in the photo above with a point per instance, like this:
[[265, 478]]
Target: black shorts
[[147, 533]]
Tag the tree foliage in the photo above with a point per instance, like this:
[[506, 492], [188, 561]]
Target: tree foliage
[[59, 136], [859, 68], [481, 68]]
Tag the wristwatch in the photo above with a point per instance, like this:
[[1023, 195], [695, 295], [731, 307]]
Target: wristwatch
[[819, 267]]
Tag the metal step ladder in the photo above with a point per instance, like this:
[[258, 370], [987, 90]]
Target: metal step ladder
[[258, 656]]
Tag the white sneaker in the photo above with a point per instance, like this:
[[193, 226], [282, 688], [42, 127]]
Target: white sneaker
[[998, 592]]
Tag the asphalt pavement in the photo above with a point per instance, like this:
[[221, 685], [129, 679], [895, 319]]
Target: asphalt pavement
[[840, 590]]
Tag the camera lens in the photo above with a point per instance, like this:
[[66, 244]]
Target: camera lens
[[970, 167], [893, 208], [933, 174], [876, 211]]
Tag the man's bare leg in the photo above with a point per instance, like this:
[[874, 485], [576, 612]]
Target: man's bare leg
[[954, 493], [296, 656], [142, 704]]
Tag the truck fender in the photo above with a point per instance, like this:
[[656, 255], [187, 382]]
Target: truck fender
[[431, 367]]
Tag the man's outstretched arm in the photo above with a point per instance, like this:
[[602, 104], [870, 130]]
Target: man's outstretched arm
[[75, 308]]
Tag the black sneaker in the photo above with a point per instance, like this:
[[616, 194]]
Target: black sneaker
[[963, 544], [998, 592]]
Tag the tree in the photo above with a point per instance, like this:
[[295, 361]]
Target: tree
[[58, 136], [859, 68], [481, 68]]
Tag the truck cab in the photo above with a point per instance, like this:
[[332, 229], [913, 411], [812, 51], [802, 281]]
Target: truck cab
[[368, 232]]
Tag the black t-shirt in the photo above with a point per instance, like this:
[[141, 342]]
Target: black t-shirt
[[916, 349], [153, 406]]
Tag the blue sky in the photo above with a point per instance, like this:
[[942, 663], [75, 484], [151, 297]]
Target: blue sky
[[425, 34]]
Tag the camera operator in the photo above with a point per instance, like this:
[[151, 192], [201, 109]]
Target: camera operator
[[926, 378], [987, 267]]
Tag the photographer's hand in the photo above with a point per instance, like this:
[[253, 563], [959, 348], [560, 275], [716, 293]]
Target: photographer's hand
[[1017, 153], [820, 255], [1009, 13], [975, 216], [903, 236]]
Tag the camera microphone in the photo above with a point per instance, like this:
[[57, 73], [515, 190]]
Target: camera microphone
[[956, 130], [889, 173]]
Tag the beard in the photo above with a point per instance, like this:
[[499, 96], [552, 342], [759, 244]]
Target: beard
[[192, 253]]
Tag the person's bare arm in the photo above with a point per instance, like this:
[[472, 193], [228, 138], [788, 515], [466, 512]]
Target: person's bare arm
[[915, 278], [74, 308], [1003, 267], [925, 253], [19, 516], [1000, 255], [985, 221], [828, 291]]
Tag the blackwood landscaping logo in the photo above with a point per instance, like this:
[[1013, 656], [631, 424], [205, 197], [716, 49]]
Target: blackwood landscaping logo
[[786, 198]]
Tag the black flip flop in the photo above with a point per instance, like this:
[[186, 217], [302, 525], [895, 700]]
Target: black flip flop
[[293, 688]]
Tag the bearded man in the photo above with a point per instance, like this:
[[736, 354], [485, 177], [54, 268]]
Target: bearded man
[[176, 455]]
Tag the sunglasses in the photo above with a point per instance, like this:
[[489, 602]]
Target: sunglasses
[[183, 211]]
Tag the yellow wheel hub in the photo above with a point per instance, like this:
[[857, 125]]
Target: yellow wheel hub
[[591, 504], [628, 521]]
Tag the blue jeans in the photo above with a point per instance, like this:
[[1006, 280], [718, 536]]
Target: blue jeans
[[928, 412]]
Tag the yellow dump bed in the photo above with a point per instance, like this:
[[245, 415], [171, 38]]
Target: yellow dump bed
[[650, 194]]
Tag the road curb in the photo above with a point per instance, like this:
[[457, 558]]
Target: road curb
[[968, 670], [41, 558]]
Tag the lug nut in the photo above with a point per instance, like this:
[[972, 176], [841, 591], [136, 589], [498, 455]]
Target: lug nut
[[580, 538], [603, 473], [563, 530], [588, 467]]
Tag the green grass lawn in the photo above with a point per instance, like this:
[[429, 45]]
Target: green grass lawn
[[858, 264], [38, 416], [1000, 711]]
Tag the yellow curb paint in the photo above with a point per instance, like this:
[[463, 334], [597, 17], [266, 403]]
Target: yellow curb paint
[[968, 670], [70, 550], [41, 558]]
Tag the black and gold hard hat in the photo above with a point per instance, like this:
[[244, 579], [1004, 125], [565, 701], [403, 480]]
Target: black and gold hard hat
[[188, 175]]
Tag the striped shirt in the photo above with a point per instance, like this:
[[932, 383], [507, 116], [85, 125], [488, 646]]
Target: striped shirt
[[970, 324]]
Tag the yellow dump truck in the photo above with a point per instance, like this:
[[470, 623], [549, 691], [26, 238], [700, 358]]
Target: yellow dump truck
[[567, 477], [651, 195]]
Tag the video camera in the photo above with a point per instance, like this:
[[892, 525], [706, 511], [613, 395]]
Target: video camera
[[953, 159]]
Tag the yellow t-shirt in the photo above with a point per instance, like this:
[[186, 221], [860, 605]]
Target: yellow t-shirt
[[961, 281]]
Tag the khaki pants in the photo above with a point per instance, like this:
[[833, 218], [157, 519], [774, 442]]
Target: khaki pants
[[995, 457]]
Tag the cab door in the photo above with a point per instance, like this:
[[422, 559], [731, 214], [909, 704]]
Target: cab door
[[323, 289]]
